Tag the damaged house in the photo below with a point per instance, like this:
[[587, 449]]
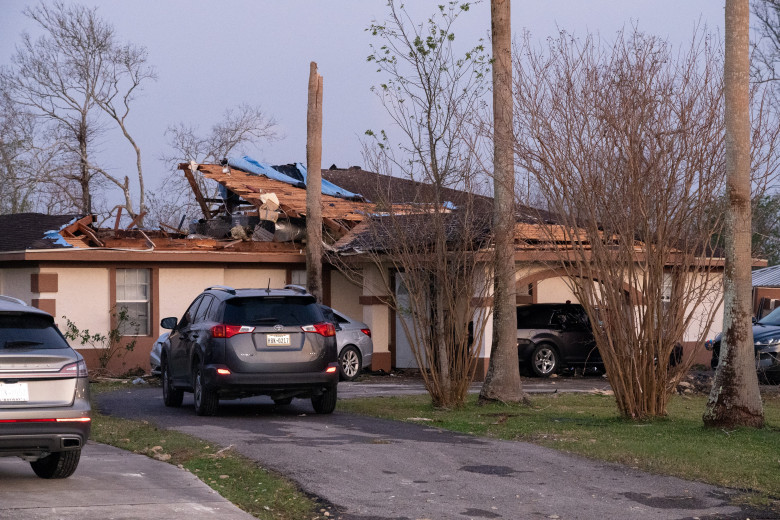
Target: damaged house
[[251, 236]]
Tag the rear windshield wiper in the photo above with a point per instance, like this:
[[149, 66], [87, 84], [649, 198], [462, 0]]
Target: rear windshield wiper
[[269, 319], [21, 344]]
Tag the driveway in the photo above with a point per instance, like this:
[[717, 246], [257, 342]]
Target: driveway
[[373, 469]]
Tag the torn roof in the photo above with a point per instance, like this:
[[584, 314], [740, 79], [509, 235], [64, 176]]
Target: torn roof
[[294, 174], [23, 231]]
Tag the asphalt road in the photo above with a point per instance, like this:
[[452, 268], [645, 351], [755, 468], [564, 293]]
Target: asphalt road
[[372, 469]]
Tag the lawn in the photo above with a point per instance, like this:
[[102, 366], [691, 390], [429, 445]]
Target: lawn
[[589, 425]]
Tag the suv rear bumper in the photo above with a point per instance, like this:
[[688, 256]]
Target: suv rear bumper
[[37, 439], [260, 383]]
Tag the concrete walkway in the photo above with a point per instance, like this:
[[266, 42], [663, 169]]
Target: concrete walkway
[[110, 484]]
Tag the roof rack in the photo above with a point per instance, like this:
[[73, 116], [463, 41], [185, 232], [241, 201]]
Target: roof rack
[[12, 300], [225, 288], [296, 288]]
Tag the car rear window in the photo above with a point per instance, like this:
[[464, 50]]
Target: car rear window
[[272, 311], [35, 331], [533, 317]]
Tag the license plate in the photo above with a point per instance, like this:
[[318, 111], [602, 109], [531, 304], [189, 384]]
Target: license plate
[[277, 340], [14, 392]]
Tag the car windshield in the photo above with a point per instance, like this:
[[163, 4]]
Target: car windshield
[[269, 311], [773, 318], [19, 331]]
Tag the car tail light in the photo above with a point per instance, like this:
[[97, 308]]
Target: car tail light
[[323, 329], [77, 369], [367, 332], [223, 371], [331, 369], [74, 419], [228, 331]]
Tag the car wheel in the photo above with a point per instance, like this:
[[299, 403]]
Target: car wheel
[[350, 363], [61, 464], [326, 402], [206, 399], [283, 402], [171, 396], [544, 361]]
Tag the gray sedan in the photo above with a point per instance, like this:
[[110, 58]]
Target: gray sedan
[[353, 340]]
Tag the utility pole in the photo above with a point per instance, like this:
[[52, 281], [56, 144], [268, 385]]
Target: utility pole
[[314, 185]]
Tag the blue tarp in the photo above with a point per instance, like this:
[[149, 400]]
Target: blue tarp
[[250, 165], [54, 235]]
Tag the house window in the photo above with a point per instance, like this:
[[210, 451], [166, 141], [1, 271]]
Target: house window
[[298, 277], [666, 291], [132, 296]]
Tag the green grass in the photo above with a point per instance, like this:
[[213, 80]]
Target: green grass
[[260, 492], [589, 425]]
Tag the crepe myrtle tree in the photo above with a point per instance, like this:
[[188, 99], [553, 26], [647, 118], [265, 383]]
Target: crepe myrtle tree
[[432, 243], [625, 143]]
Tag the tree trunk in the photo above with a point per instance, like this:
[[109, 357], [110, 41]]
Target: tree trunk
[[86, 196], [502, 382], [314, 185], [735, 399]]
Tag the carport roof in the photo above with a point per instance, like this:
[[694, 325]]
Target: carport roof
[[767, 277]]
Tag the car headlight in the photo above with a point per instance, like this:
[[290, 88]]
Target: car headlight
[[764, 344]]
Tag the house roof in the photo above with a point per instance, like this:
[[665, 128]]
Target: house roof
[[767, 277], [22, 231]]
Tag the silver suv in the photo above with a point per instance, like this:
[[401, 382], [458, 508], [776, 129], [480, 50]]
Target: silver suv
[[234, 343], [44, 392]]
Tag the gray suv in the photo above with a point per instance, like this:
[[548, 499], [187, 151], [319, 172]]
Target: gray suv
[[234, 343], [44, 392]]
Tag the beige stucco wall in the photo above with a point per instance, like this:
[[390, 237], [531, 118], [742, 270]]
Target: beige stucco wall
[[179, 286], [16, 283], [83, 297], [345, 296], [254, 278], [554, 290], [377, 317]]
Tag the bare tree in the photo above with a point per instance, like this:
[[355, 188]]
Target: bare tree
[[735, 399], [63, 78], [766, 48], [126, 72], [239, 128], [432, 249], [502, 382], [626, 144]]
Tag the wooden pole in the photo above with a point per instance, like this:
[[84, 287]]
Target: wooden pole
[[314, 185]]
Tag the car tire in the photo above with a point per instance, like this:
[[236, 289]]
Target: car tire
[[325, 403], [206, 399], [544, 360], [172, 396], [350, 363], [61, 464], [283, 402]]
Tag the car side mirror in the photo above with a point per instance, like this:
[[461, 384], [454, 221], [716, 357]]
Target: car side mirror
[[169, 323]]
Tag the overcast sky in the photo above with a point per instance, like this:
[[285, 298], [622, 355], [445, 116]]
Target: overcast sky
[[211, 55]]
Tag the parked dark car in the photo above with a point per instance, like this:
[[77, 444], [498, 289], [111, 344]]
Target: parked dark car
[[44, 392], [766, 342], [552, 336], [234, 343]]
